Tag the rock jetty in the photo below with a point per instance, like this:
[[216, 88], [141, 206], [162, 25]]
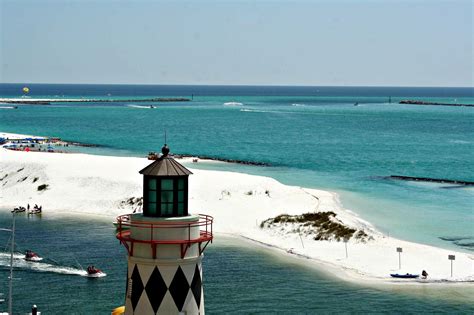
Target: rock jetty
[[413, 102], [90, 100]]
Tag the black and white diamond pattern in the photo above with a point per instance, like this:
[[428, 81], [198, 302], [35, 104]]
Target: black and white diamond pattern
[[179, 288], [137, 287], [196, 286], [156, 289], [168, 291]]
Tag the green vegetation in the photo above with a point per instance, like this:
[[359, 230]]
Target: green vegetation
[[323, 225]]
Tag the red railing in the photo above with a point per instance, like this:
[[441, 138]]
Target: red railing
[[124, 224]]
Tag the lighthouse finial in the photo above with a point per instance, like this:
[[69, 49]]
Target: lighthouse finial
[[165, 150]]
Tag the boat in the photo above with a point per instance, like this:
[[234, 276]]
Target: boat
[[32, 256], [93, 272], [152, 156], [404, 276]]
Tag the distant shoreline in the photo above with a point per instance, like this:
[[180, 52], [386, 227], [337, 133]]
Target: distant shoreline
[[39, 101]]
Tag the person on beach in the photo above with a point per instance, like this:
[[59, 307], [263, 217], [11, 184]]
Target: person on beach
[[424, 274], [28, 207]]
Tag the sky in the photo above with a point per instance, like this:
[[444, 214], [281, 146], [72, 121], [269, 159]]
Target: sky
[[320, 43]]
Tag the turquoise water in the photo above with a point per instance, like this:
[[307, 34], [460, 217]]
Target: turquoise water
[[238, 277], [320, 141]]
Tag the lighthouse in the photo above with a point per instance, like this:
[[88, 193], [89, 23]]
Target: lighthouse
[[165, 244]]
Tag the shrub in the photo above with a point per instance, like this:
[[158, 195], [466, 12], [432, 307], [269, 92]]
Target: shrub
[[321, 224], [42, 187]]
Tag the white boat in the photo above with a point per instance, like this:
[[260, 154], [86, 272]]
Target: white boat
[[233, 104]]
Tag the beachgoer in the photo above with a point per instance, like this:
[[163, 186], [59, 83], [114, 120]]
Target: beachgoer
[[424, 274], [28, 206]]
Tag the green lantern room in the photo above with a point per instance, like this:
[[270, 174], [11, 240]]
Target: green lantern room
[[165, 187]]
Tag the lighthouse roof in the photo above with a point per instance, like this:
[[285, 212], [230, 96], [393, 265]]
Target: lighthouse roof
[[165, 166]]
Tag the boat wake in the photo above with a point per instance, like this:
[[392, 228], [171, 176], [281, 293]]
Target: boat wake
[[141, 106], [233, 104], [248, 110], [20, 263]]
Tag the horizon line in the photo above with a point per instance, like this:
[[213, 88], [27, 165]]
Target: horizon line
[[250, 85]]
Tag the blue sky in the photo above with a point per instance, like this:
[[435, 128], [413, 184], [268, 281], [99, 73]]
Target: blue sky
[[342, 43]]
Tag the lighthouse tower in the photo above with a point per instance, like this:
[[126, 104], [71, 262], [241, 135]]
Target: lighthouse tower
[[165, 244]]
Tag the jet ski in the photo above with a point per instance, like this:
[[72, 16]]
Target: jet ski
[[93, 272], [32, 256]]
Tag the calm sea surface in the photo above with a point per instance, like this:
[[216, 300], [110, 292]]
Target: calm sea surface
[[311, 136]]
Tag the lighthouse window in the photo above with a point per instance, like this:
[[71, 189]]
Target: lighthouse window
[[167, 197], [152, 208], [152, 196], [180, 208], [167, 184], [167, 209]]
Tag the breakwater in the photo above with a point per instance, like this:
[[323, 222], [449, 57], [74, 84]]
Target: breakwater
[[31, 101], [414, 102], [203, 157], [432, 180]]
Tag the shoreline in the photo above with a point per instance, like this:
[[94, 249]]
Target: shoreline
[[224, 195], [48, 101]]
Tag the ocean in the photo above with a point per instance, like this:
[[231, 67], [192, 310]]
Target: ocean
[[309, 136]]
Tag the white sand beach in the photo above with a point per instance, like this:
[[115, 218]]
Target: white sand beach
[[96, 186]]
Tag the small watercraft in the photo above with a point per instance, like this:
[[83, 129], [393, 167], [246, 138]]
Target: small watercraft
[[152, 156], [93, 272], [32, 256], [18, 209], [404, 276]]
